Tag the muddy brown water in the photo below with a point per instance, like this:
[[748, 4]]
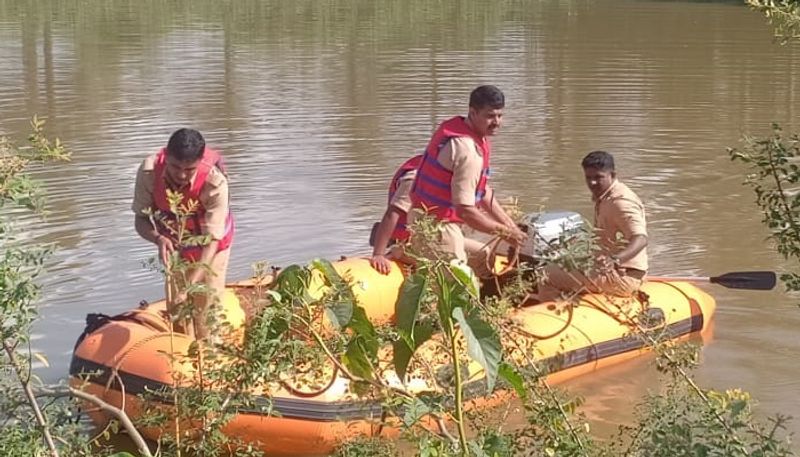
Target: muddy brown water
[[314, 104]]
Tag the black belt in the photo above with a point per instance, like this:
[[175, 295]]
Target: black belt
[[634, 273]]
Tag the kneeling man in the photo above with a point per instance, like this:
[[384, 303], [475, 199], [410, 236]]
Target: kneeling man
[[619, 220]]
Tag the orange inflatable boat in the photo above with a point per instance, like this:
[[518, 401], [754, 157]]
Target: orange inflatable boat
[[120, 357]]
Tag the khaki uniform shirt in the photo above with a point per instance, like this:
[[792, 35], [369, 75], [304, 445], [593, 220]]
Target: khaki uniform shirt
[[618, 216], [461, 156], [402, 196], [213, 197]]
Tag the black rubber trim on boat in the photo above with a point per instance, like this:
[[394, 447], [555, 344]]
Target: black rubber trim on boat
[[292, 408], [282, 407]]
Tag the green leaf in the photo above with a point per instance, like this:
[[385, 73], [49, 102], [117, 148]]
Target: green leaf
[[401, 357], [356, 359], [476, 449], [402, 352], [415, 410], [412, 294], [444, 304], [361, 326], [339, 313], [275, 296], [292, 280], [329, 272], [495, 445], [507, 373], [465, 276], [483, 344], [737, 406]]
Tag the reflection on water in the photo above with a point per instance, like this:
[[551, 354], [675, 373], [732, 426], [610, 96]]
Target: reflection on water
[[315, 103]]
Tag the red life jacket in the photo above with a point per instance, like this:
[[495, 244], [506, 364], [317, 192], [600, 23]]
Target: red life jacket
[[400, 232], [209, 160], [432, 186]]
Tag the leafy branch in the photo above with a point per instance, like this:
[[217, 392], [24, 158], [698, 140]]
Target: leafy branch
[[783, 14], [775, 178]]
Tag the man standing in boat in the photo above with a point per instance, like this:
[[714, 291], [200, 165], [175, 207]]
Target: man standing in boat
[[392, 227], [188, 167], [451, 182], [619, 219]]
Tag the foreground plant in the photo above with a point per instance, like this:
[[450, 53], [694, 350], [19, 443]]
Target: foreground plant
[[37, 419], [683, 420], [784, 15], [774, 176]]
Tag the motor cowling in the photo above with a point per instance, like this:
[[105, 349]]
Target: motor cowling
[[546, 229]]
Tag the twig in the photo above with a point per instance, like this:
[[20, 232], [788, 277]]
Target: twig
[[26, 387], [170, 303], [444, 431], [121, 416]]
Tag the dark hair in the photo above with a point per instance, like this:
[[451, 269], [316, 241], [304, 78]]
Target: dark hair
[[484, 96], [186, 145], [600, 160]]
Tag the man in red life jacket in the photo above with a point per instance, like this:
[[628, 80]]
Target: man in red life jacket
[[393, 224], [451, 182], [188, 167]]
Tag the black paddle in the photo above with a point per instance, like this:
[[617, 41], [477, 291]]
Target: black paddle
[[752, 280]]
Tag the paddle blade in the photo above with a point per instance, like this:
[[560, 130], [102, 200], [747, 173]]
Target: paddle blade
[[752, 280]]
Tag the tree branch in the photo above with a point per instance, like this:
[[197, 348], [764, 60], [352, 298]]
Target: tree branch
[[26, 387], [121, 416]]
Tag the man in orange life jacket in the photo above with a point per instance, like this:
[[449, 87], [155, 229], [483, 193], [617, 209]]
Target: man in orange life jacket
[[187, 166], [451, 182], [393, 224]]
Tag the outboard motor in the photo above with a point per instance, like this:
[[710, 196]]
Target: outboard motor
[[545, 229]]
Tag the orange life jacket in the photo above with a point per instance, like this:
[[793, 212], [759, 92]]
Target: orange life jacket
[[208, 161], [400, 232], [431, 190]]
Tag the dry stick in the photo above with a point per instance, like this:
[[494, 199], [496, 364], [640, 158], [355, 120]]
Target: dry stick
[[141, 445], [444, 430], [170, 305], [26, 387], [114, 375]]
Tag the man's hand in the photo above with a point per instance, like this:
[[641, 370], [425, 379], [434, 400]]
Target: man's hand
[[514, 235], [165, 248], [380, 263], [607, 264]]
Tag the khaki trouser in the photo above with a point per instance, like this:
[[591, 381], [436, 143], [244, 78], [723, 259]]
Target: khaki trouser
[[610, 282], [215, 281], [453, 243]]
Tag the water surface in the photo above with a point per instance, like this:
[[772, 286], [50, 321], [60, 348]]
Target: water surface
[[314, 103]]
